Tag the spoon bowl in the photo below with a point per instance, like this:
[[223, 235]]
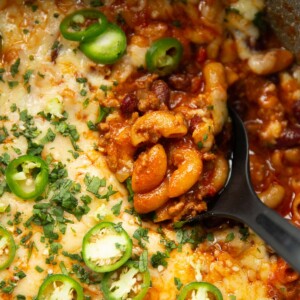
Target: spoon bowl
[[239, 201]]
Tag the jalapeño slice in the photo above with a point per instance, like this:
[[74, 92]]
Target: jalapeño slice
[[126, 283], [107, 47], [77, 26], [200, 290], [60, 286], [7, 248], [164, 55], [106, 247], [27, 176]]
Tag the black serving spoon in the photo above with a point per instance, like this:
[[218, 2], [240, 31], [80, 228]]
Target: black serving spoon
[[238, 201]]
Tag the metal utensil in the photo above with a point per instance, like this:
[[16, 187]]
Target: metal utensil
[[239, 201], [284, 17]]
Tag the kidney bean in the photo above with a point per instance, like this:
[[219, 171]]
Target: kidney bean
[[296, 110], [201, 55], [179, 81], [194, 122], [161, 91], [129, 104], [289, 138]]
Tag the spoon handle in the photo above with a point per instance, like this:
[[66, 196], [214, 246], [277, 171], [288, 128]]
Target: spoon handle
[[282, 236], [276, 231], [239, 201]]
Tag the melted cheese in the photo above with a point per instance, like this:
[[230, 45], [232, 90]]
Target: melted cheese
[[105, 248], [53, 89]]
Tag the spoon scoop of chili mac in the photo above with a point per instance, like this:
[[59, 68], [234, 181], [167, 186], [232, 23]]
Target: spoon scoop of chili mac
[[239, 201]]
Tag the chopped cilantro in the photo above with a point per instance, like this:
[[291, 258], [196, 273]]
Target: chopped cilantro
[[58, 172], [81, 273], [2, 70], [210, 237], [244, 231], [184, 236], [74, 153], [17, 150], [143, 261], [103, 113], [229, 237], [129, 189], [81, 80], [109, 193], [26, 238], [105, 89], [118, 227], [49, 231], [200, 145], [30, 130], [49, 137], [116, 208], [50, 214], [27, 76], [5, 158], [68, 130], [20, 274], [141, 234], [34, 7], [7, 287], [86, 103], [91, 126], [169, 244], [83, 92], [12, 84], [3, 134], [17, 218], [18, 231], [65, 196], [13, 107], [159, 259], [39, 269], [41, 75], [93, 183], [179, 224], [14, 69], [74, 256], [178, 283], [86, 199], [34, 149], [54, 247]]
